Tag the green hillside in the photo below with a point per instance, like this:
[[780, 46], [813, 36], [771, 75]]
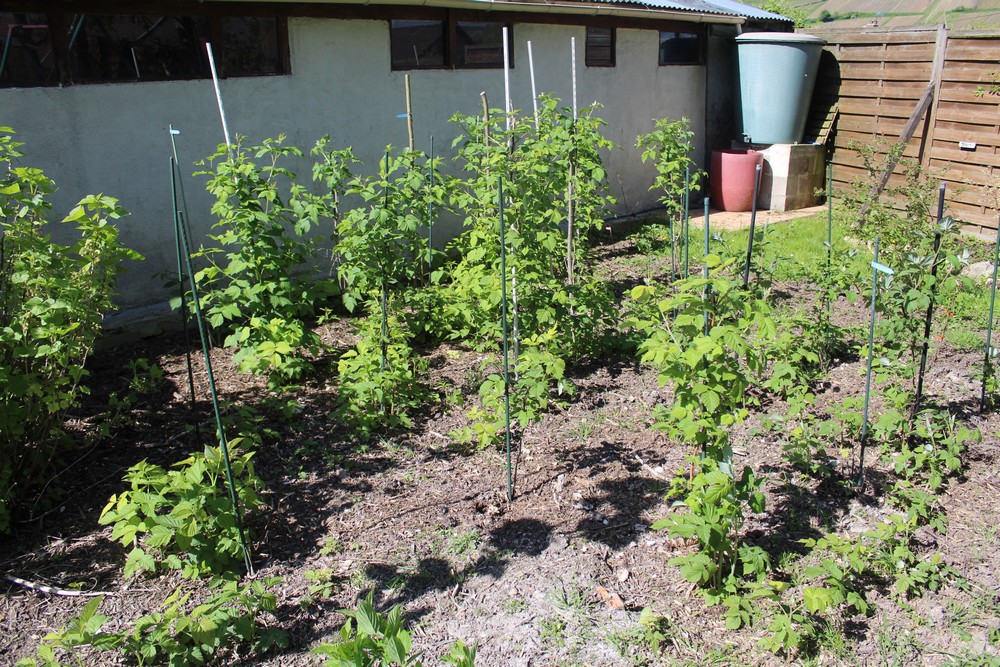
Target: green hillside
[[956, 14]]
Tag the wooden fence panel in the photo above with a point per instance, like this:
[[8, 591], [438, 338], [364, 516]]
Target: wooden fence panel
[[878, 78]]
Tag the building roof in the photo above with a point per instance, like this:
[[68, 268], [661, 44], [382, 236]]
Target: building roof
[[702, 11], [723, 7]]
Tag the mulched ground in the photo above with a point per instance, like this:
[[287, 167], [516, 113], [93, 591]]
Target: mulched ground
[[556, 577]]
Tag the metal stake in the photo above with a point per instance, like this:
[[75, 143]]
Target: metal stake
[[223, 443], [876, 268], [988, 363], [687, 216], [180, 279], [704, 270], [930, 305], [829, 266], [503, 324], [753, 224]]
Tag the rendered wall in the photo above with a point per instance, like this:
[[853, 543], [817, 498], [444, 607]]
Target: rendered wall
[[113, 138]]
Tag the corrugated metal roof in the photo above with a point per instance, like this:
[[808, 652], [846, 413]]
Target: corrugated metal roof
[[724, 7]]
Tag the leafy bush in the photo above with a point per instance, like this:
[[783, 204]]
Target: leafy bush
[[716, 504], [379, 378], [379, 245], [262, 280], [902, 215], [549, 278], [669, 147], [539, 380], [372, 639], [52, 301], [177, 635], [704, 340], [183, 519]]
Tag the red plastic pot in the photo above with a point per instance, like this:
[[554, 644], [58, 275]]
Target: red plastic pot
[[733, 177]]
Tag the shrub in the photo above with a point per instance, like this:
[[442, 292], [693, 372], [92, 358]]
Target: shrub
[[262, 280], [52, 301], [183, 518]]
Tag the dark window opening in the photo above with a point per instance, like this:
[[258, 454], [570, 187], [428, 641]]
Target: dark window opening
[[679, 48], [26, 54], [137, 48], [426, 44], [479, 44], [600, 51], [94, 48], [252, 46], [417, 44]]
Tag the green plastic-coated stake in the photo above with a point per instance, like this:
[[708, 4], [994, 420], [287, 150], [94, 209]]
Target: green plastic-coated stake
[[704, 270], [223, 443], [930, 304], [180, 279], [687, 217], [503, 324], [876, 268], [988, 363], [829, 266], [753, 225], [385, 281]]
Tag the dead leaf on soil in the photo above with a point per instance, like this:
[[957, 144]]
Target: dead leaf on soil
[[609, 598]]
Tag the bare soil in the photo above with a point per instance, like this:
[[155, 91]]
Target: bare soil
[[555, 577]]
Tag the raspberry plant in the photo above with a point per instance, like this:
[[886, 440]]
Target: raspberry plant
[[52, 301]]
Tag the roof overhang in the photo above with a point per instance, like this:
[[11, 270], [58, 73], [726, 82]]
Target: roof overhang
[[536, 7]]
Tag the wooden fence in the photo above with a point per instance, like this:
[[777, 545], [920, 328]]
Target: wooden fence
[[938, 91]]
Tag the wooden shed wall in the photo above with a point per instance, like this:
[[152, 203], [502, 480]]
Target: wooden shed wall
[[878, 78]]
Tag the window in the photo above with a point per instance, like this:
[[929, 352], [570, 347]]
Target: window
[[137, 48], [26, 46], [600, 50], [425, 44], [417, 44], [252, 46], [48, 49], [679, 48], [478, 44]]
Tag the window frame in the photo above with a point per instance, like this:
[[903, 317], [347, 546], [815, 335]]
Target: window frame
[[699, 58], [59, 39], [613, 46], [451, 42]]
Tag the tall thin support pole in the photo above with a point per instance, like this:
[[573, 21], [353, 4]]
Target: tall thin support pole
[[570, 176], [430, 219], [753, 225], [828, 297], [509, 125], [925, 343], [218, 99], [409, 111], [534, 91], [385, 282], [704, 269], [503, 325], [572, 48], [876, 269], [988, 361], [506, 79], [180, 279], [223, 442], [687, 217]]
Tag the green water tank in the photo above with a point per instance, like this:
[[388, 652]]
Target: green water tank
[[777, 73]]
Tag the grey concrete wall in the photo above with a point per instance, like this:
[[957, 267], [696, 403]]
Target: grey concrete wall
[[113, 138]]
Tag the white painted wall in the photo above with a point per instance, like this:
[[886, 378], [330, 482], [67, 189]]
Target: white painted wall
[[113, 138]]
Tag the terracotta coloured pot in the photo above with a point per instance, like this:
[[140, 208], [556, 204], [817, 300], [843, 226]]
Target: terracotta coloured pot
[[732, 177]]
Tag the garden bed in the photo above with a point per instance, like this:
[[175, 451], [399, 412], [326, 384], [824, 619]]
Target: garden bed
[[559, 576]]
